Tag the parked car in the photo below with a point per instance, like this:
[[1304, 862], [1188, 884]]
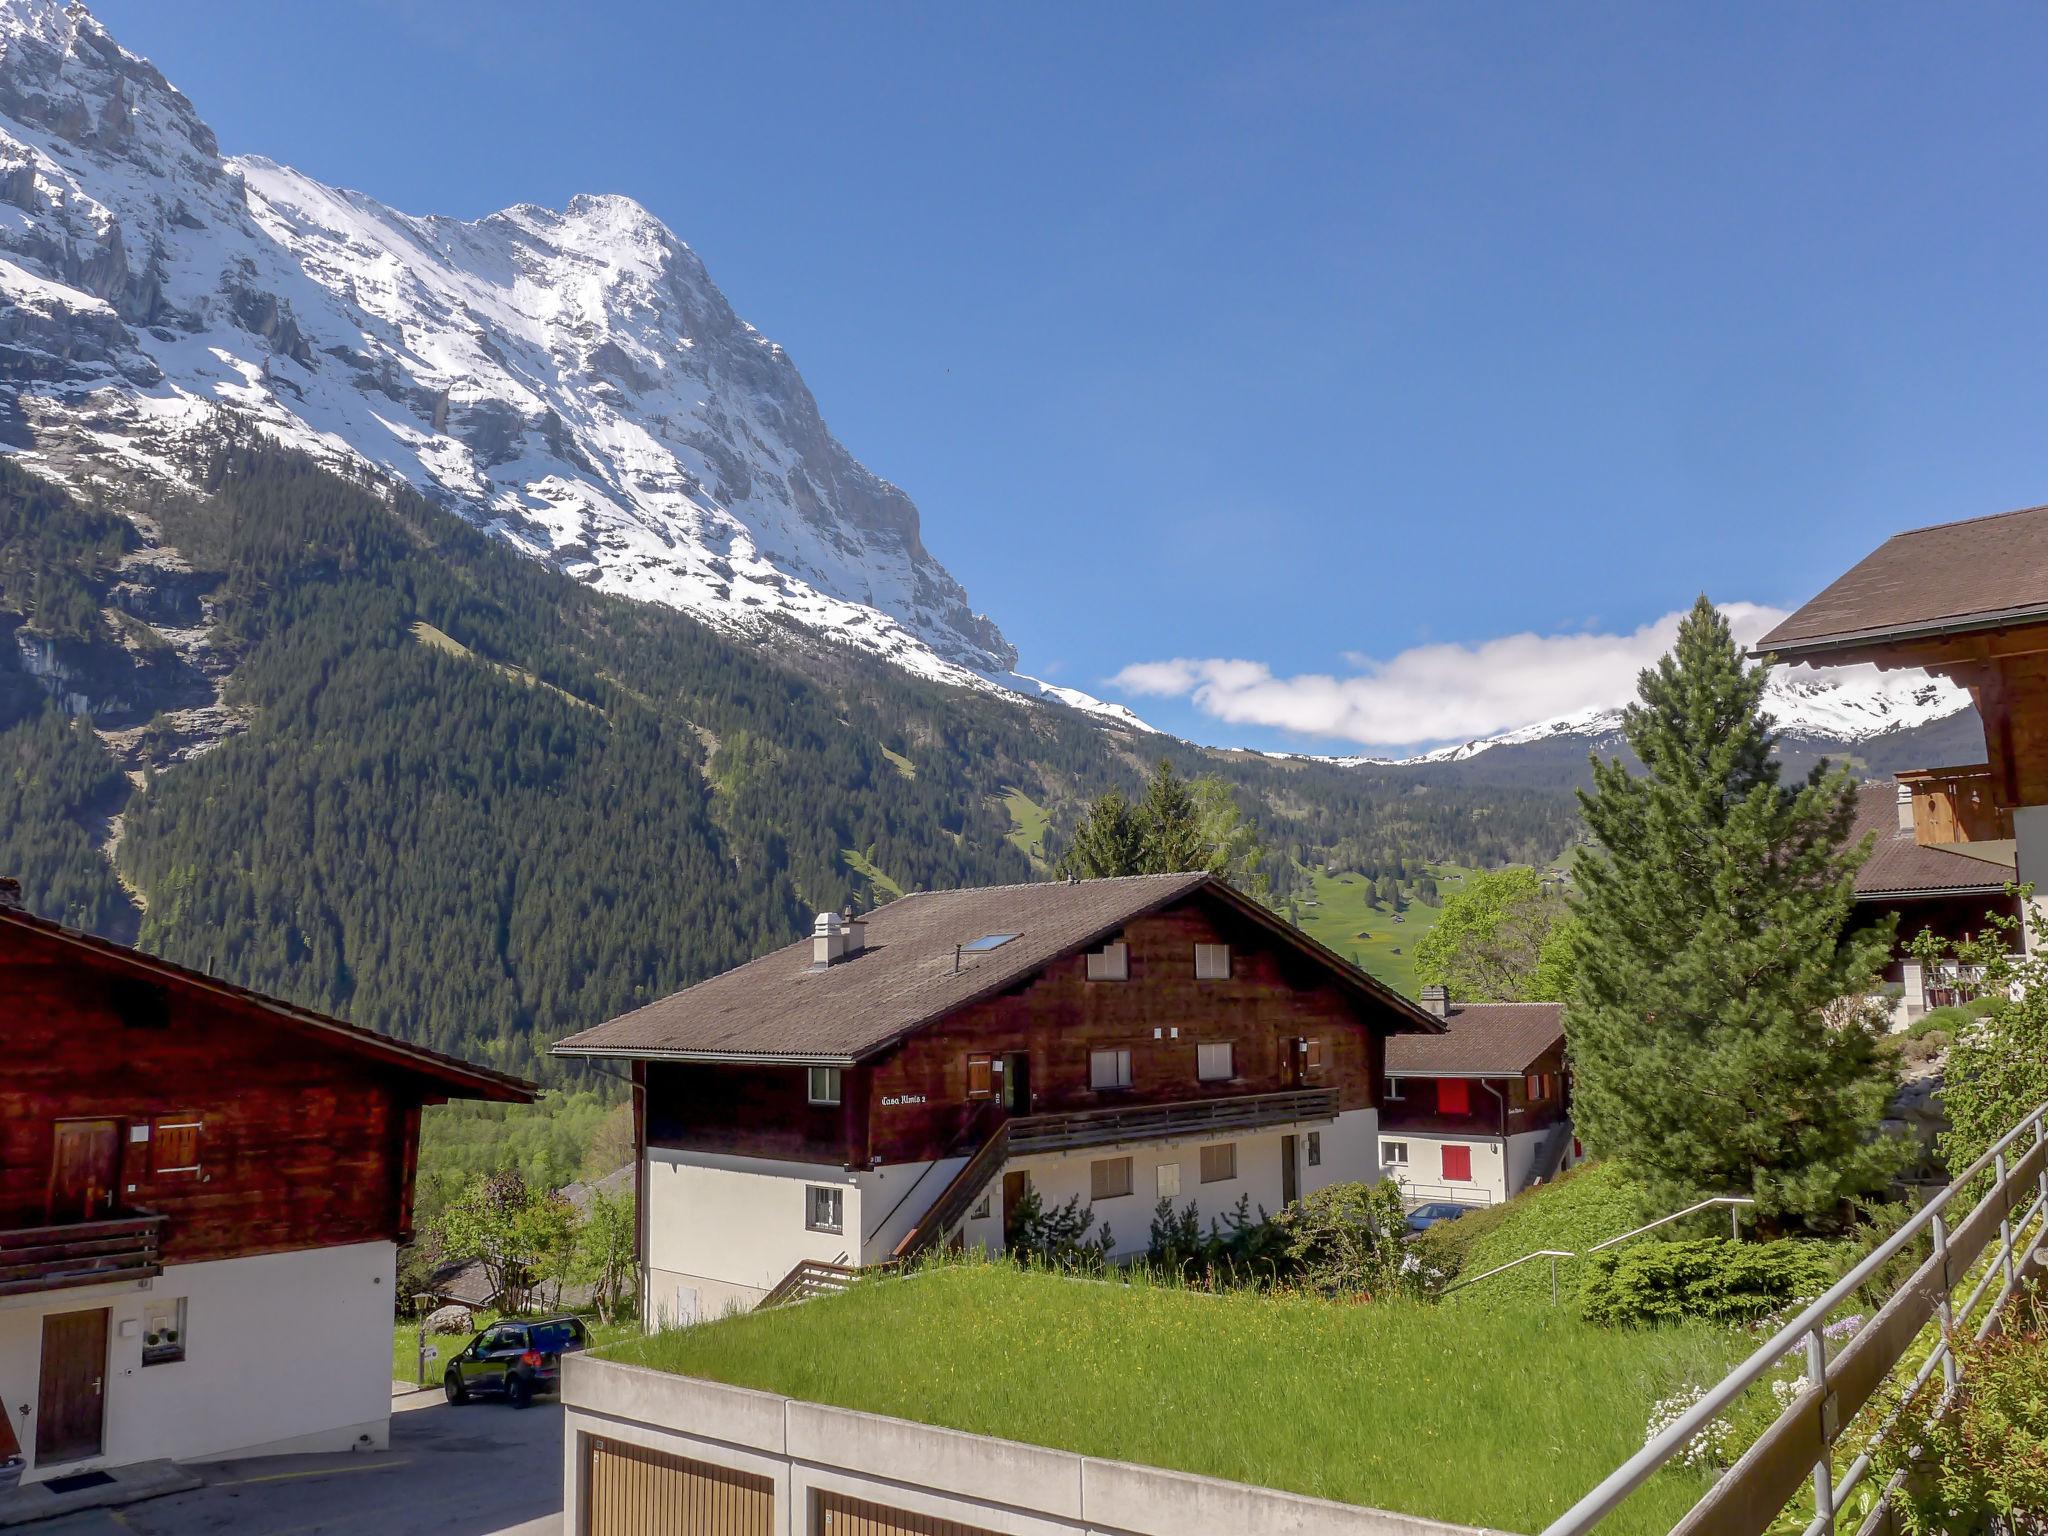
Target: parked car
[[1423, 1217], [514, 1360]]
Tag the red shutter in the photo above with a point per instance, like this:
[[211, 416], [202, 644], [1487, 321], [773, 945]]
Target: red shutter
[[1453, 1096], [1458, 1164]]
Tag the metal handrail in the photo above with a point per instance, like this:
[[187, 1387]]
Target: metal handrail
[[1734, 1202], [1805, 1329]]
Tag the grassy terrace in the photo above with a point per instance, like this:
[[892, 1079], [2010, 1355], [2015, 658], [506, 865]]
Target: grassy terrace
[[1487, 1417]]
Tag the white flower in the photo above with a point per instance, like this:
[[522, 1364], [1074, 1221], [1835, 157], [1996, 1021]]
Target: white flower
[[1708, 1448]]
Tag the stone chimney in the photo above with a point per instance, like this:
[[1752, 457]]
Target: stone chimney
[[1437, 1000], [10, 894], [828, 941], [1905, 807], [856, 928]]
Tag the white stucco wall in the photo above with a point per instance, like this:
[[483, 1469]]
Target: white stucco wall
[[284, 1351], [1423, 1178], [736, 1225], [1351, 1151]]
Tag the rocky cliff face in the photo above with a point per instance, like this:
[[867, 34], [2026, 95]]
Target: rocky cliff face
[[571, 379]]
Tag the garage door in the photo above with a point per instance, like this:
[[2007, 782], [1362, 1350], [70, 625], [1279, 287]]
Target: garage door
[[638, 1492], [841, 1516]]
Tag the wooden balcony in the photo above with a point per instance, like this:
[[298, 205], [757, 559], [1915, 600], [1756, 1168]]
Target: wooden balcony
[[1158, 1122], [54, 1258]]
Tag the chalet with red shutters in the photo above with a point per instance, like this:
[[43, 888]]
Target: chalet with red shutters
[[1481, 1111], [202, 1191], [901, 1081]]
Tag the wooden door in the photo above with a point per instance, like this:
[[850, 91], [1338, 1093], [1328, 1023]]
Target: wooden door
[[71, 1400], [1014, 1185], [839, 1515], [1290, 1169], [1017, 1083], [634, 1491], [85, 1169]]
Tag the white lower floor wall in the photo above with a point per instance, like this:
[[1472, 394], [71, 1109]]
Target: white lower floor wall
[[1501, 1167], [282, 1352]]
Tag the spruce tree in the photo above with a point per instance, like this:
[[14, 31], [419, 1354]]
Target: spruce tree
[[1711, 1046], [1172, 820], [1109, 841]]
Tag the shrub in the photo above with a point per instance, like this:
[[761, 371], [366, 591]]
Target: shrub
[[1713, 1278], [1346, 1238], [1583, 1207], [1062, 1238], [1239, 1248]]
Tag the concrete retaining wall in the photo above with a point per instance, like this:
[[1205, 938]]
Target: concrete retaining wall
[[997, 1485]]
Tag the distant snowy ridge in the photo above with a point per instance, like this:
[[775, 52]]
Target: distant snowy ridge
[[572, 380], [1834, 704]]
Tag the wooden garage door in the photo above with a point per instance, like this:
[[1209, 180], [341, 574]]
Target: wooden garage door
[[638, 1492], [841, 1516]]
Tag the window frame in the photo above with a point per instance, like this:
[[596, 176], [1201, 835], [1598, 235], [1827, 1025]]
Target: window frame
[[1211, 951], [835, 1076], [1396, 1091], [1220, 1149], [1229, 1048], [1120, 1055], [1536, 1087], [1101, 1173], [835, 1197], [159, 1124], [167, 1354], [1312, 1148], [1120, 971], [1387, 1157]]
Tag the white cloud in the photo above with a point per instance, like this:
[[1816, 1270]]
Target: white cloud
[[1433, 693]]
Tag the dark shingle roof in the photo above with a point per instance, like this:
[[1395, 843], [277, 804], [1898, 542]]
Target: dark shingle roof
[[1953, 577], [905, 977], [1494, 1039], [1900, 866]]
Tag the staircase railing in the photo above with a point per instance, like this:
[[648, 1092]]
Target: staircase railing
[[1798, 1447], [958, 1197], [1733, 1202], [810, 1277]]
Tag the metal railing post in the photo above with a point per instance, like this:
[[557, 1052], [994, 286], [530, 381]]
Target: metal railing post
[[1823, 1470], [2004, 1222], [1735, 1223], [1945, 1307], [1553, 1279]]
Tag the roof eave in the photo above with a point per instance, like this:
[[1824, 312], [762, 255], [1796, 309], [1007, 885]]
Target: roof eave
[[722, 1058], [1932, 629]]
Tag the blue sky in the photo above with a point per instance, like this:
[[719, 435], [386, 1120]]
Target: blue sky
[[1297, 337]]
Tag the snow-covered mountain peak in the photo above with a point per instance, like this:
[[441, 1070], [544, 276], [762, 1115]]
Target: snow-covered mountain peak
[[571, 379]]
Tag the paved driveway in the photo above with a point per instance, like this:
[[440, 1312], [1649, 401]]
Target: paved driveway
[[478, 1470]]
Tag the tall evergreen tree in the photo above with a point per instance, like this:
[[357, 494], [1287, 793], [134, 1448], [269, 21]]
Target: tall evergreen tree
[[1172, 820], [1109, 841], [1711, 1048]]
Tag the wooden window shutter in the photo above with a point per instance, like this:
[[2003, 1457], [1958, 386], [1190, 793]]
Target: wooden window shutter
[[980, 1078], [1457, 1165], [1315, 1055], [1453, 1096], [174, 1144]]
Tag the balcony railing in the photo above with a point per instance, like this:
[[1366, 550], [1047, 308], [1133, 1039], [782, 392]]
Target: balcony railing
[[54, 1258], [1155, 1122]]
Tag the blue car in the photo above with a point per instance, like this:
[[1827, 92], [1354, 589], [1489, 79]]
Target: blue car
[[1423, 1217]]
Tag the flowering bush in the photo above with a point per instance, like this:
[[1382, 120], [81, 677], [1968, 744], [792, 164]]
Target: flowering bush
[[1707, 1451]]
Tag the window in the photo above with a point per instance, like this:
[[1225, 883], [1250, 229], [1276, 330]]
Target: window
[[1453, 1096], [1212, 962], [987, 942], [1395, 1089], [982, 1207], [1312, 1055], [1315, 1149], [824, 1208], [175, 1148], [1394, 1154], [1457, 1165], [1537, 1087], [824, 1085], [1112, 962], [1219, 1163], [1109, 1069], [1110, 1178], [1213, 1062], [1169, 1180], [981, 1078], [163, 1331]]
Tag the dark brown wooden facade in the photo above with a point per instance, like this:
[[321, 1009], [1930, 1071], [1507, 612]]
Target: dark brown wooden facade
[[1509, 1109], [247, 1127], [1289, 1020]]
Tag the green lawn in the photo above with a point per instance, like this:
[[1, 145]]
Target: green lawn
[[903, 764], [1387, 950], [866, 868], [1501, 1418], [1028, 821], [405, 1343]]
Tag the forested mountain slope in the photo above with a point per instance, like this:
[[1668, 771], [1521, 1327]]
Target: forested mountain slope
[[333, 742]]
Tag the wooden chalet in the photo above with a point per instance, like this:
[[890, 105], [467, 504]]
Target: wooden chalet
[[197, 1183], [902, 1080], [1480, 1112]]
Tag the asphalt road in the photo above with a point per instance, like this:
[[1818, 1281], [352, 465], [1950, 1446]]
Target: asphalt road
[[485, 1469]]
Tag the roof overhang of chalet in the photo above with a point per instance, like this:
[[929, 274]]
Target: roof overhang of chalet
[[449, 1077], [1481, 1040], [1902, 869], [1909, 600], [778, 1009]]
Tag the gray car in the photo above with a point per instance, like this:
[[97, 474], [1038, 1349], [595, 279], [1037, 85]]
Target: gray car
[[514, 1360]]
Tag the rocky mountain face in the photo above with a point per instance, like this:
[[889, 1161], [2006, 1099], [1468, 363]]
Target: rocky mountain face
[[570, 380]]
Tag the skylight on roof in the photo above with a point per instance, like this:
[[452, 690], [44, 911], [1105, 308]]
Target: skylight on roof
[[988, 942]]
